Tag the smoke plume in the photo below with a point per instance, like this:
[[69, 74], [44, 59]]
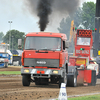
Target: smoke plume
[[48, 9], [44, 10]]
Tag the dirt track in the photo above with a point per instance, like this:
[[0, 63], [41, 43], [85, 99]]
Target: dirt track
[[11, 89]]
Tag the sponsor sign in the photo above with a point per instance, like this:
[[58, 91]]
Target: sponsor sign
[[62, 93], [80, 61], [99, 52], [82, 52]]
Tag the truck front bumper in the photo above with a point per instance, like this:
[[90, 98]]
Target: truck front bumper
[[46, 73]]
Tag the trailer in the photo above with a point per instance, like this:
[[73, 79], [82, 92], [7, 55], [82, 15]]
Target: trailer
[[86, 67]]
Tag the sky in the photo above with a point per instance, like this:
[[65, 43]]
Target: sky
[[22, 20]]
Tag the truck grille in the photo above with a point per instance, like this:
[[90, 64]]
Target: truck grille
[[41, 62]]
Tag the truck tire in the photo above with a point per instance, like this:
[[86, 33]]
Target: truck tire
[[72, 80], [63, 80], [6, 64], [26, 79], [93, 78]]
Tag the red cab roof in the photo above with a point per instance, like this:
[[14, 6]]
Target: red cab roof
[[48, 34]]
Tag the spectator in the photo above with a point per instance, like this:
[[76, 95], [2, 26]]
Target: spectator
[[85, 42]]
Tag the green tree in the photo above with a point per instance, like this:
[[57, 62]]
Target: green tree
[[1, 37], [14, 36], [88, 15]]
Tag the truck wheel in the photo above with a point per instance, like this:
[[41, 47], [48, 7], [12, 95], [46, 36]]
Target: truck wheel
[[6, 65], [93, 78], [72, 80], [63, 80], [26, 80]]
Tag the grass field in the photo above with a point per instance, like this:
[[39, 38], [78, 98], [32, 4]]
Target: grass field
[[10, 72], [92, 97]]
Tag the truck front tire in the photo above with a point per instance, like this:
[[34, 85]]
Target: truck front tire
[[26, 80], [63, 80], [72, 80]]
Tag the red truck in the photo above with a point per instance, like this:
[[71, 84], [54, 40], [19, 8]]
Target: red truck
[[83, 59], [44, 58]]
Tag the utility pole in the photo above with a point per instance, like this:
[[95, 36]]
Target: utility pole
[[96, 44], [12, 43], [9, 33], [97, 26]]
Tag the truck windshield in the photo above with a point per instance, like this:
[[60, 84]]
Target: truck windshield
[[83, 41], [43, 43]]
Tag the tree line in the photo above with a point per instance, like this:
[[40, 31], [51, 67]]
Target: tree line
[[12, 36]]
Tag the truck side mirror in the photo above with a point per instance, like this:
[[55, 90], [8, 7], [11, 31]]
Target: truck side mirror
[[19, 43], [66, 44]]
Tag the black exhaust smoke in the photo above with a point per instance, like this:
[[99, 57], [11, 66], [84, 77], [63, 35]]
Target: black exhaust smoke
[[43, 8]]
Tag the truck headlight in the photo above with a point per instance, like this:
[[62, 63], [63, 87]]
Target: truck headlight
[[26, 71], [55, 72]]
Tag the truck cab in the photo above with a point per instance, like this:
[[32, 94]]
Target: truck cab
[[44, 58]]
